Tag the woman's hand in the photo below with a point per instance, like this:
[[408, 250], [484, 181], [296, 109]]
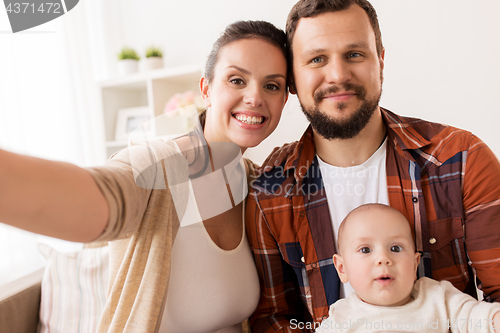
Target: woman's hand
[[278, 155]]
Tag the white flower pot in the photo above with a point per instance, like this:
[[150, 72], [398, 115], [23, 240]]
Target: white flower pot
[[151, 63], [127, 66]]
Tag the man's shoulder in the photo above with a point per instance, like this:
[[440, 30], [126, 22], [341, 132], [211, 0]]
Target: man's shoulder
[[281, 179], [431, 137], [432, 129], [272, 182], [428, 129]]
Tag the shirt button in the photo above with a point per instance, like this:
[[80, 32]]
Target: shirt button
[[432, 241], [302, 214], [414, 199]]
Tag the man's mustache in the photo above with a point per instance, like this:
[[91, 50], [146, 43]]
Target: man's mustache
[[357, 89]]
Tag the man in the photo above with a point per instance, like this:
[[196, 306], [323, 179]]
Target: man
[[444, 180]]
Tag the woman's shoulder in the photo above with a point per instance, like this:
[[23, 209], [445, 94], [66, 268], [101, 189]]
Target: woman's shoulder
[[148, 161]]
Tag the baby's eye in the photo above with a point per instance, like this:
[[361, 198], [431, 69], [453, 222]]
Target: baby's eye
[[396, 248], [365, 250]]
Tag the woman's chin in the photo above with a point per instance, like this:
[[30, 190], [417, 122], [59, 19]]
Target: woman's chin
[[249, 142]]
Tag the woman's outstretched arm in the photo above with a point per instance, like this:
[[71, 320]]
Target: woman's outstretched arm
[[52, 198]]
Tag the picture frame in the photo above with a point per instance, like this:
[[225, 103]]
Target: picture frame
[[128, 119]]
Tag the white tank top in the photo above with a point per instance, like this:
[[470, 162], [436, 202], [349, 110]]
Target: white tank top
[[348, 188], [210, 289]]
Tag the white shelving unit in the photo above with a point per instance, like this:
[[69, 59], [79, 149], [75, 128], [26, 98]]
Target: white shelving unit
[[150, 89]]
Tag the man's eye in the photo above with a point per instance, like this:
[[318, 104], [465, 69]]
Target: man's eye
[[317, 60], [354, 55], [365, 250], [396, 248]]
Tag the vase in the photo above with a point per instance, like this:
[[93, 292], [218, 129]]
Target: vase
[[127, 66], [151, 63]]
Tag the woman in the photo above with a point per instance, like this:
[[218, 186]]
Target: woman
[[188, 190]]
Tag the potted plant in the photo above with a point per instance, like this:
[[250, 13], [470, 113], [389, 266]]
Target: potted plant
[[128, 61], [154, 58]]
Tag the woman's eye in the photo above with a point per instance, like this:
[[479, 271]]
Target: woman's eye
[[237, 81], [272, 86], [365, 250], [396, 248]]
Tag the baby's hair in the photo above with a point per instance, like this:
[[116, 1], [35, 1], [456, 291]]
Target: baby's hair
[[363, 208]]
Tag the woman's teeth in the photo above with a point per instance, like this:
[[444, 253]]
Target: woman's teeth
[[250, 120]]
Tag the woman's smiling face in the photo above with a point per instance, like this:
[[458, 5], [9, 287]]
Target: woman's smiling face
[[247, 93]]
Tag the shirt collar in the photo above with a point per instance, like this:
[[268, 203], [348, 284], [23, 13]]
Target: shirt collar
[[399, 132], [302, 156]]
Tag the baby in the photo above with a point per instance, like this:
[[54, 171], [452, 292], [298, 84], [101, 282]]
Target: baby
[[377, 256]]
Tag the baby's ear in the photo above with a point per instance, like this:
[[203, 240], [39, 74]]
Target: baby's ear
[[338, 261], [417, 261]]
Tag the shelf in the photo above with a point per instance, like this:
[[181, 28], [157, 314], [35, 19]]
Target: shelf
[[152, 89], [116, 144], [137, 80]]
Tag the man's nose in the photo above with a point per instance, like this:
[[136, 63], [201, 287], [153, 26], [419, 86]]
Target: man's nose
[[338, 71]]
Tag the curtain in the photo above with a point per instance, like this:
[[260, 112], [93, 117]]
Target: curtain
[[49, 107]]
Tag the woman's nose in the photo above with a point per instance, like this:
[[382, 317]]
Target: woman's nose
[[253, 96]]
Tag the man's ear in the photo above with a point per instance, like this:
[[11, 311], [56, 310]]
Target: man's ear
[[205, 92], [338, 261], [291, 86], [382, 59]]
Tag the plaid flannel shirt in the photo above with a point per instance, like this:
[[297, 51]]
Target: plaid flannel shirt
[[446, 182]]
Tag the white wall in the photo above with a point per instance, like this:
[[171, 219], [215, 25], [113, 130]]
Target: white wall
[[442, 57], [443, 62]]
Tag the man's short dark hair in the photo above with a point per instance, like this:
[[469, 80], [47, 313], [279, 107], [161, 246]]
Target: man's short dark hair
[[312, 8]]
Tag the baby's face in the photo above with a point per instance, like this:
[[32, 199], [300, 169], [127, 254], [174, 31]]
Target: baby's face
[[378, 256]]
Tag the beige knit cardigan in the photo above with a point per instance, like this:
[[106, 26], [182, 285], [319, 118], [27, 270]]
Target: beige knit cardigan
[[143, 224]]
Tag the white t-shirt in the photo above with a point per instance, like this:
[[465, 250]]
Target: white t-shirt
[[437, 307], [348, 188]]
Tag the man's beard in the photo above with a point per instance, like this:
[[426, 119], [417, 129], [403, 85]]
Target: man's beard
[[330, 128]]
